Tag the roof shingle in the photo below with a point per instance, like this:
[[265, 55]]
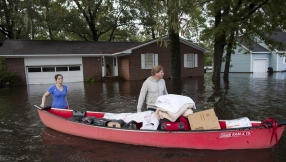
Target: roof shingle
[[38, 47]]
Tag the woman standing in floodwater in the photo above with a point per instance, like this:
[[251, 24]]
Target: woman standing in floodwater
[[59, 93]]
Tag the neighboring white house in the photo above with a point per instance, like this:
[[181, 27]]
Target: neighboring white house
[[259, 57]]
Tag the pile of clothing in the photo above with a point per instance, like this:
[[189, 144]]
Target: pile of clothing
[[169, 107], [173, 106]]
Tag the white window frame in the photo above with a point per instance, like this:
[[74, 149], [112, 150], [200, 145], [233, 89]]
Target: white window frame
[[144, 62], [190, 63]]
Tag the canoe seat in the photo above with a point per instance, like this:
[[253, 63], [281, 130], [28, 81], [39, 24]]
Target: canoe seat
[[77, 116]]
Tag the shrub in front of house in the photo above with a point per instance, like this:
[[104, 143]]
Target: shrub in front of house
[[89, 80], [9, 79]]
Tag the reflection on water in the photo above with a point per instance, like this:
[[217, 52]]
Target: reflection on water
[[278, 75], [260, 75], [25, 138]]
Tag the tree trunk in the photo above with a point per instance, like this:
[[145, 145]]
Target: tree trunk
[[228, 57], [7, 30], [50, 33], [219, 44], [227, 66], [175, 54], [94, 33], [218, 53], [153, 33], [111, 38]]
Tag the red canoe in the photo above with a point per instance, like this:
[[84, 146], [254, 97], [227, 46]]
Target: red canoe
[[255, 137]]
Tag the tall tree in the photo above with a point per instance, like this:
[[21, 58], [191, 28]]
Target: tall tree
[[49, 24], [176, 16], [247, 19], [122, 17], [147, 15], [98, 19], [95, 16], [12, 24], [173, 11]]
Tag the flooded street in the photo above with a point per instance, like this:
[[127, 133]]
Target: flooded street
[[25, 138]]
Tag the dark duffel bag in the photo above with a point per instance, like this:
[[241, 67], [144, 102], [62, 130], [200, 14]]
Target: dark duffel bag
[[101, 122], [88, 120], [131, 125]]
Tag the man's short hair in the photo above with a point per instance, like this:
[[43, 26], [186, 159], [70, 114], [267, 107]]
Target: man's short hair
[[156, 69]]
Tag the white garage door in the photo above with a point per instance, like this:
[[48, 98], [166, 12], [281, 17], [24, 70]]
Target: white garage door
[[45, 74], [70, 68], [260, 65]]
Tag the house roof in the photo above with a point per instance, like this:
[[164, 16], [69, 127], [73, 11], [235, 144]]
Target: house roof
[[28, 48], [254, 47], [279, 37], [40, 47], [166, 38]]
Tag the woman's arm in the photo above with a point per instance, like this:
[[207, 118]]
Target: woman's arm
[[44, 99], [67, 102]]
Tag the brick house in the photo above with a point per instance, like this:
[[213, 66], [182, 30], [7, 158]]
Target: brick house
[[37, 61]]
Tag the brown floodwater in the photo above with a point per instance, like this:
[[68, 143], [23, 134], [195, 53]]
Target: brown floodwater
[[25, 138]]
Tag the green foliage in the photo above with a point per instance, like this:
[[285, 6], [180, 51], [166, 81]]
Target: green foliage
[[87, 20], [9, 79], [12, 15], [2, 64], [89, 80], [208, 58]]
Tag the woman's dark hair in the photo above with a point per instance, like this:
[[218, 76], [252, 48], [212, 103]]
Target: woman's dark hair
[[57, 75]]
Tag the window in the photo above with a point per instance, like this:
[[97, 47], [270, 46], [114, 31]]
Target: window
[[284, 59], [148, 60], [62, 68], [53, 68], [74, 68], [34, 69], [190, 60], [48, 69]]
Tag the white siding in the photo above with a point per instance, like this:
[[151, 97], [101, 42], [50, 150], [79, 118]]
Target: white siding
[[52, 61], [48, 77], [240, 62]]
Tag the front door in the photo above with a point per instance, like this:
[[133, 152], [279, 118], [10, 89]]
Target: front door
[[109, 66], [115, 66]]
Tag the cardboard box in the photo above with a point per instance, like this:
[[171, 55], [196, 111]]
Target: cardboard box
[[238, 123], [204, 120]]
